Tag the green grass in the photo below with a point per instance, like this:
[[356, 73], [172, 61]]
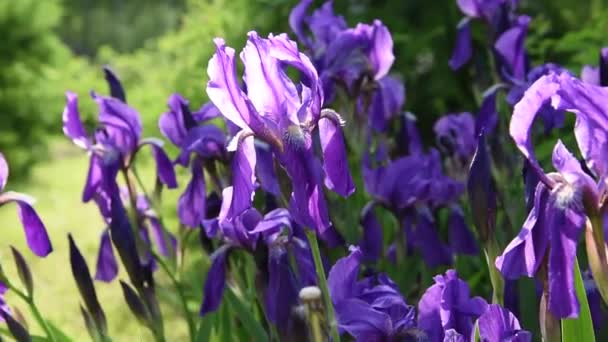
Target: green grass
[[57, 187]]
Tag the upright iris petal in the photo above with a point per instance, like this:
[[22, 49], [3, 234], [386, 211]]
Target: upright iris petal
[[335, 162], [511, 47]]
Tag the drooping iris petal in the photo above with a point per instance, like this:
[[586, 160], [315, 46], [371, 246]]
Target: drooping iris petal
[[107, 268], [282, 291], [523, 255], [566, 225], [387, 101], [35, 232], [499, 324], [360, 320], [243, 177], [372, 240], [511, 48], [343, 275], [192, 203], [72, 124], [164, 167], [463, 50], [116, 89], [215, 283], [335, 161], [265, 169], [460, 236]]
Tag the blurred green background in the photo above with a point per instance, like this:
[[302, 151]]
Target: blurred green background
[[160, 47]]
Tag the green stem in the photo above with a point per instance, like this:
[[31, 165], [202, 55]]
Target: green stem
[[34, 309], [316, 254], [181, 295], [491, 252]]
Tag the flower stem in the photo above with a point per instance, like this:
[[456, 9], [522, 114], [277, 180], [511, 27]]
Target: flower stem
[[181, 295], [316, 254], [34, 309], [491, 252]]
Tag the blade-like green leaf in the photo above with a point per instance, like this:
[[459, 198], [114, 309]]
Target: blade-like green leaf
[[581, 328], [206, 327], [250, 323]]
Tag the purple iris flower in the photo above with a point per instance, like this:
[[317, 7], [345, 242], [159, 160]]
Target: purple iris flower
[[369, 309], [189, 132], [558, 215], [35, 232], [283, 115], [597, 75], [456, 134], [343, 55], [115, 142], [446, 306], [499, 324], [387, 100], [280, 237], [507, 31]]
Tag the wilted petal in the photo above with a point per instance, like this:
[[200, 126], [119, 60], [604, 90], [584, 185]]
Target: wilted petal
[[72, 124], [107, 268], [335, 161], [463, 49], [215, 282], [192, 203]]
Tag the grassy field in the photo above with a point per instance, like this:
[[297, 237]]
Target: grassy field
[[57, 186]]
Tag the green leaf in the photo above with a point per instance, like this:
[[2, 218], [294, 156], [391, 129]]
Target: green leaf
[[250, 323], [205, 327], [581, 328]]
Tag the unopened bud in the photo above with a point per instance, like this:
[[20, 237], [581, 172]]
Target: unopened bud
[[482, 191], [23, 271]]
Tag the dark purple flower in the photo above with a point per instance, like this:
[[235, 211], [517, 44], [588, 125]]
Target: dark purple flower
[[35, 232], [107, 267], [460, 237], [387, 100], [499, 324], [463, 50], [447, 305], [482, 190], [115, 142], [422, 234], [283, 115], [372, 241], [510, 47], [369, 309], [456, 134]]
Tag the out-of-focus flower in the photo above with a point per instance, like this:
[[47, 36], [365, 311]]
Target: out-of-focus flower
[[370, 309], [35, 232], [446, 306], [499, 324], [284, 116], [114, 143], [347, 56], [597, 75], [3, 305], [456, 135], [562, 199], [482, 191], [386, 102]]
